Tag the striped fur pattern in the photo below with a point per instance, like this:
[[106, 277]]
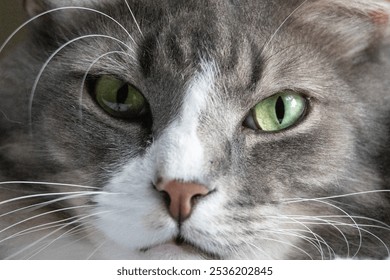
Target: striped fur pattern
[[77, 183]]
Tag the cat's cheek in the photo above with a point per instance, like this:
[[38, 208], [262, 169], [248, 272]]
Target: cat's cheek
[[130, 212]]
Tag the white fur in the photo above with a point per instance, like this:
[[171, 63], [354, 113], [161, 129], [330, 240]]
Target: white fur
[[179, 153], [134, 216]]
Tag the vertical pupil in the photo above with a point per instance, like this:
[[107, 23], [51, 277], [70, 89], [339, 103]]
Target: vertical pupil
[[279, 109], [122, 94]]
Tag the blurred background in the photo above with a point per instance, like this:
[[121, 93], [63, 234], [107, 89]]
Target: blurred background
[[11, 16]]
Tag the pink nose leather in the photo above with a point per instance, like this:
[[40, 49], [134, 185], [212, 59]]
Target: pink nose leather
[[181, 197]]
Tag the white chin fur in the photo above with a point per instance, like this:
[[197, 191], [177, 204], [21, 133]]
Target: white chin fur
[[170, 251]]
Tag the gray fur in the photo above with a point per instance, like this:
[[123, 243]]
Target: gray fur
[[274, 185]]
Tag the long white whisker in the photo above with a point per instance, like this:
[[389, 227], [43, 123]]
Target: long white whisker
[[251, 245], [42, 204], [353, 221], [37, 216], [294, 200], [361, 228], [47, 184], [55, 231], [34, 88], [96, 250], [380, 240], [89, 69], [281, 25], [73, 231], [76, 228], [42, 227], [8, 119], [288, 244], [338, 223], [289, 232], [135, 20], [52, 194], [384, 225], [327, 222], [308, 230], [61, 9], [311, 232]]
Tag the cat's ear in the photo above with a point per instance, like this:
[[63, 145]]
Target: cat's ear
[[348, 28]]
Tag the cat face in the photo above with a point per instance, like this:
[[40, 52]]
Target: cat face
[[202, 129]]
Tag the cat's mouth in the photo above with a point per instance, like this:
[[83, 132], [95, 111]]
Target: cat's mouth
[[181, 245]]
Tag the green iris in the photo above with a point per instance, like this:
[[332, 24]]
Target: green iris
[[279, 111], [118, 98]]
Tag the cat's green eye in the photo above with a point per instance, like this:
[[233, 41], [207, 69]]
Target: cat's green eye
[[277, 112], [119, 99]]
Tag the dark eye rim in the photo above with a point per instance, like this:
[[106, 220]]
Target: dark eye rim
[[143, 117], [308, 107]]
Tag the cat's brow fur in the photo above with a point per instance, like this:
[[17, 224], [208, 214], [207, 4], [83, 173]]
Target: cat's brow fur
[[77, 183]]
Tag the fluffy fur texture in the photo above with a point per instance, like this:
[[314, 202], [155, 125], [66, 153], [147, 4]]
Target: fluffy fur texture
[[77, 183]]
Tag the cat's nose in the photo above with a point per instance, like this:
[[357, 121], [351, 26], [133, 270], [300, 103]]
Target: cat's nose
[[182, 197]]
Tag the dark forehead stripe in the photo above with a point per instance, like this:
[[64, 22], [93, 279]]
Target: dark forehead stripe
[[188, 34], [146, 54], [257, 66]]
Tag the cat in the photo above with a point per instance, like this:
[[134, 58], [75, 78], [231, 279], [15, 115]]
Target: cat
[[207, 129]]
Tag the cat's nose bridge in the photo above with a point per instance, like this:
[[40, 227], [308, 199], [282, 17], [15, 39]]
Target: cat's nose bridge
[[182, 197], [179, 154]]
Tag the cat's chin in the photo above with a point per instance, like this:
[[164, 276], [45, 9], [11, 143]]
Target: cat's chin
[[171, 250]]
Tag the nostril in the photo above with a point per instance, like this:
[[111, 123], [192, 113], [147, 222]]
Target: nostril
[[196, 198], [166, 198], [180, 197]]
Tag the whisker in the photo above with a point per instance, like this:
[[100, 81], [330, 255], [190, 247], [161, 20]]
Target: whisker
[[384, 225], [135, 20], [281, 25], [321, 199], [37, 216], [75, 231], [294, 200], [55, 231], [62, 9], [288, 244], [37, 206], [47, 184], [41, 227], [360, 227], [352, 219], [251, 245], [380, 240], [295, 233], [315, 236], [87, 72], [52, 194], [34, 88], [45, 246], [8, 119], [96, 250], [27, 255], [338, 223], [330, 223]]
